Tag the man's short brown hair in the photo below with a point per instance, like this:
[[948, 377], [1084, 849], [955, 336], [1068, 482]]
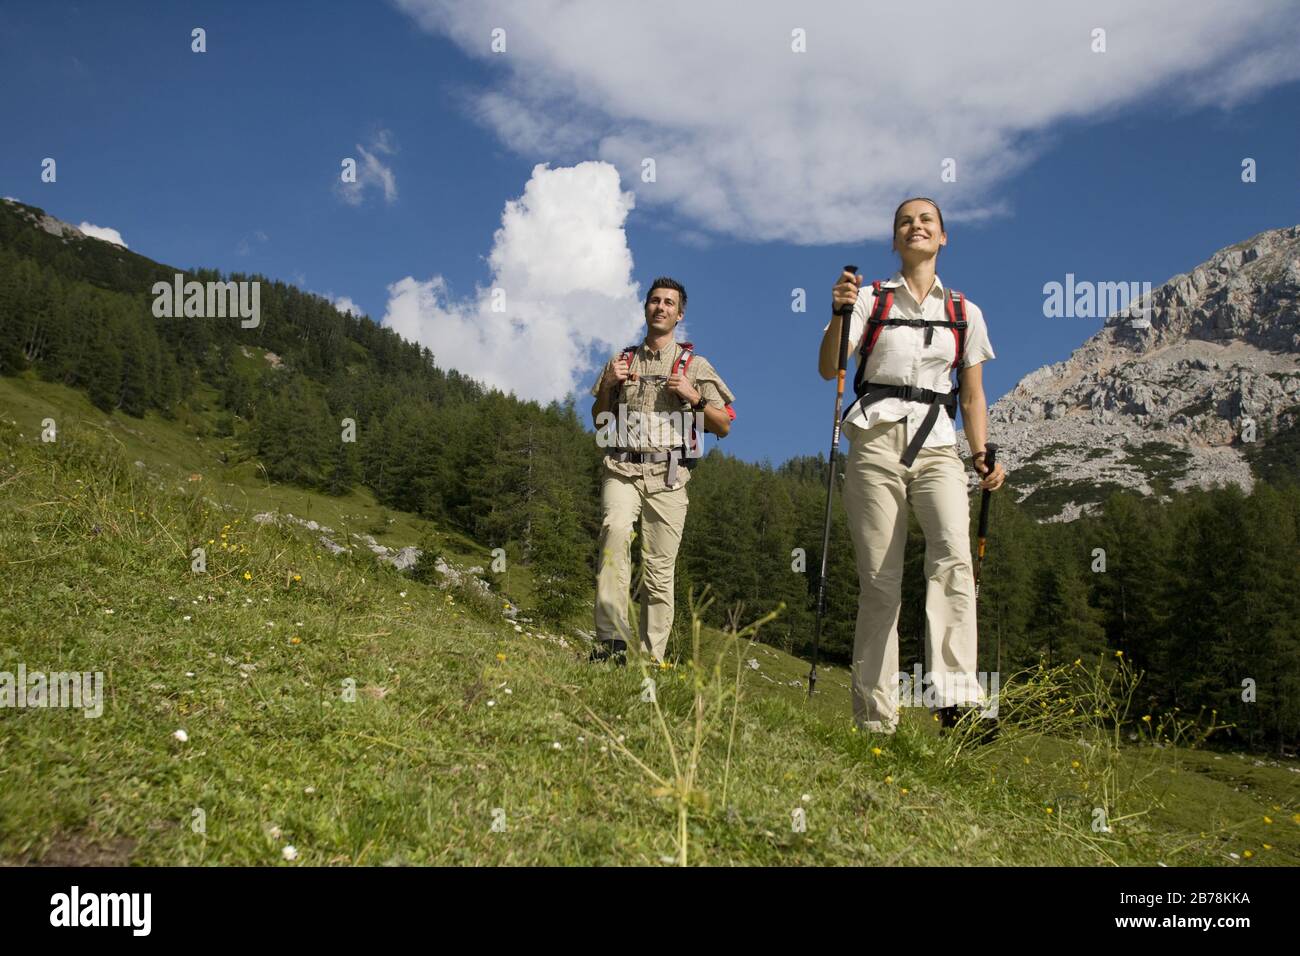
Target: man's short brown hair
[[664, 282]]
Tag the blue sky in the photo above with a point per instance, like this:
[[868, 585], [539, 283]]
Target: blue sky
[[774, 167]]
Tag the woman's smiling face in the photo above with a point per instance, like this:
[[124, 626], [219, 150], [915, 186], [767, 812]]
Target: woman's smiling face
[[918, 233]]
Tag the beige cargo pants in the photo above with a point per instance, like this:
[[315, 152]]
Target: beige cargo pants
[[877, 491], [662, 514]]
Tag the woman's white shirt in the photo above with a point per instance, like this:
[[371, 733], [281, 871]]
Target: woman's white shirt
[[901, 357]]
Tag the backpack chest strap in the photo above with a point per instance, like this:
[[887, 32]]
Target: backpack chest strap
[[955, 319]]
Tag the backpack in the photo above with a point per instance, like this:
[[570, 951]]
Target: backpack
[[954, 306], [868, 392], [680, 364]]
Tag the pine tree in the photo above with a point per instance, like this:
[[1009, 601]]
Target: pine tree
[[343, 469], [104, 377]]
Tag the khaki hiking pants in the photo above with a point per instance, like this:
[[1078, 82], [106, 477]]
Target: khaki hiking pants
[[877, 492], [662, 516]]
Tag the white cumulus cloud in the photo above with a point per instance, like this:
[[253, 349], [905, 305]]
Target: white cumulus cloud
[[561, 298], [345, 305], [755, 140], [103, 232]]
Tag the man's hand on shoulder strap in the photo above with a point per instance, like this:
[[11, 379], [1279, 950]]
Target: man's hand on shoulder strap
[[683, 389], [618, 373]]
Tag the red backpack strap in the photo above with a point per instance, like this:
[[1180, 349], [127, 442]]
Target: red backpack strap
[[629, 354], [884, 301], [955, 305], [683, 360], [683, 363]]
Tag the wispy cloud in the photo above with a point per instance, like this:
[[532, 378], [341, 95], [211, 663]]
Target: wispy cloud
[[245, 245], [755, 140], [561, 288], [372, 173]]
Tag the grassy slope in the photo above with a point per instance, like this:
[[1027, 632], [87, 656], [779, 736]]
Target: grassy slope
[[456, 713], [174, 450]]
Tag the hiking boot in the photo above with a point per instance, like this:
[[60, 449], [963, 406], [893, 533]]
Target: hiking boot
[[988, 730], [986, 727], [609, 650]]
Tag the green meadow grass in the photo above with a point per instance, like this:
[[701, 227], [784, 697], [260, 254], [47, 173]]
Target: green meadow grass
[[459, 722]]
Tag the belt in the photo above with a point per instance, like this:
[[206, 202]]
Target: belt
[[642, 457], [872, 392]]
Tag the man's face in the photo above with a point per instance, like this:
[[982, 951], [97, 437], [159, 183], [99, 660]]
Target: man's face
[[663, 310]]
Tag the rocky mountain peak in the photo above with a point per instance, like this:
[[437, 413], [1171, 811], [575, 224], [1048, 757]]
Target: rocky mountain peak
[[1169, 406], [41, 220]]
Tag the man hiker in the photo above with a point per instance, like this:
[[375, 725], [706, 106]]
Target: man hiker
[[651, 401]]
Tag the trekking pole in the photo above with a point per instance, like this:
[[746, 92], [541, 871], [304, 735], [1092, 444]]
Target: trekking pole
[[990, 452], [844, 312]]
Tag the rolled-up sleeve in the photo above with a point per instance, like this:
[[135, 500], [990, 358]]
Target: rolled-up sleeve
[[710, 383], [858, 321], [978, 347], [595, 386]]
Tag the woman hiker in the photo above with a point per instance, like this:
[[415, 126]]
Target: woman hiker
[[908, 333]]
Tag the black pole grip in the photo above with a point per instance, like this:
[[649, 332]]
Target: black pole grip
[[845, 311], [990, 453]]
